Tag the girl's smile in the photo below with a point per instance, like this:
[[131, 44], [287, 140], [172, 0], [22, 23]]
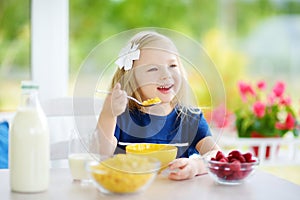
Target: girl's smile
[[165, 89]]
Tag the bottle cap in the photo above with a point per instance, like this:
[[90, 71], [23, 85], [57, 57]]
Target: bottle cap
[[29, 85]]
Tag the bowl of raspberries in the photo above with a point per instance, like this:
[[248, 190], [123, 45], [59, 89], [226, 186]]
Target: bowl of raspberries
[[233, 169]]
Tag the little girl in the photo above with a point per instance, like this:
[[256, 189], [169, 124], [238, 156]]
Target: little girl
[[150, 67]]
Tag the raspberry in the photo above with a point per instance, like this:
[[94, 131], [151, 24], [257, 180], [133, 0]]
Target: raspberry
[[219, 155], [242, 159], [235, 154], [235, 165], [247, 156], [225, 160]]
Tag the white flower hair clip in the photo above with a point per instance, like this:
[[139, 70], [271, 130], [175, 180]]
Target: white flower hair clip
[[127, 55]]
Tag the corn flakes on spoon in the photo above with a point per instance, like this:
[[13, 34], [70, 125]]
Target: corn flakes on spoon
[[146, 103]]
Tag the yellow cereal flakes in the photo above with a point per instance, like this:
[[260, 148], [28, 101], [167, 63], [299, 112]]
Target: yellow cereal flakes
[[151, 101], [124, 173]]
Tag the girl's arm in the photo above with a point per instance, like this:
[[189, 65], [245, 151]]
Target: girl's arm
[[114, 105], [187, 168], [207, 146]]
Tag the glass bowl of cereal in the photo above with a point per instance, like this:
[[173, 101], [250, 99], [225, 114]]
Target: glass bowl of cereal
[[123, 173]]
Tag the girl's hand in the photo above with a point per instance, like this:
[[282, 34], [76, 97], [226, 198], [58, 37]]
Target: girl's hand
[[118, 100], [186, 168]]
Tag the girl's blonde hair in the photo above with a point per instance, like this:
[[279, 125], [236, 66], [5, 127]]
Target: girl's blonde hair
[[153, 40]]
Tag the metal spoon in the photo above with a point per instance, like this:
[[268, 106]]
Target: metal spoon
[[144, 103]]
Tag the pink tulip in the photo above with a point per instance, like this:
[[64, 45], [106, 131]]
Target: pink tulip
[[279, 89], [261, 85], [245, 89], [259, 109]]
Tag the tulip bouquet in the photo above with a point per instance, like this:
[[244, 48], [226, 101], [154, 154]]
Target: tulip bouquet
[[263, 113]]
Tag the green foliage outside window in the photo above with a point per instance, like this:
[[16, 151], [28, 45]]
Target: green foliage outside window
[[94, 21]]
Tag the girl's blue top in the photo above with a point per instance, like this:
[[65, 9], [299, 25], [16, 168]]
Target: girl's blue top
[[183, 131]]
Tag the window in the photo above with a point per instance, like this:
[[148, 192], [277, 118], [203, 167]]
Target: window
[[14, 51]]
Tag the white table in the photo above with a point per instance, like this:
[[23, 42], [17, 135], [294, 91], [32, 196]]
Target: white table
[[260, 186]]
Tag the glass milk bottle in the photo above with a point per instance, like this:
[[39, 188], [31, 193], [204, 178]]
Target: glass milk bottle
[[29, 144]]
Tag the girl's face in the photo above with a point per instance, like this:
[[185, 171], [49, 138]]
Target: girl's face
[[157, 74]]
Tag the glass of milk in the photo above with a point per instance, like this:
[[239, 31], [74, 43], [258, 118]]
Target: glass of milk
[[79, 156]]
